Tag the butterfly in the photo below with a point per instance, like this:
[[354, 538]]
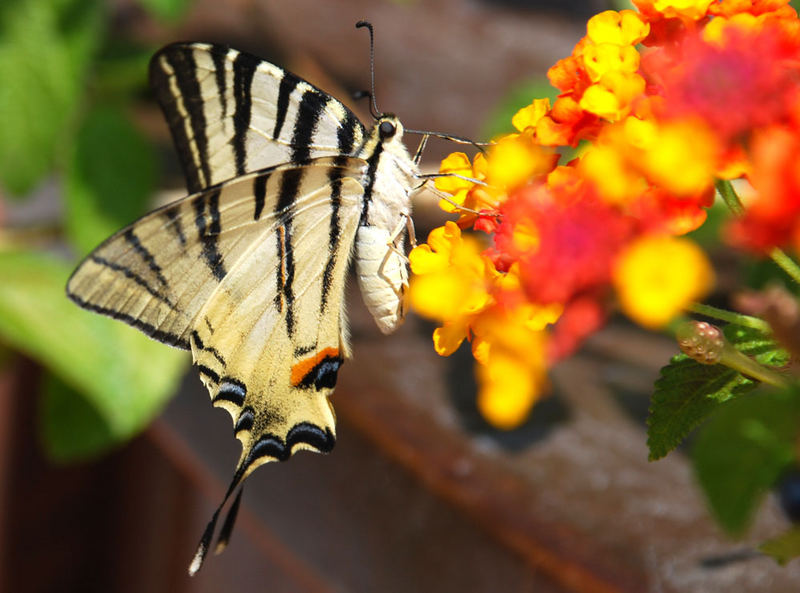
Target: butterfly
[[287, 187]]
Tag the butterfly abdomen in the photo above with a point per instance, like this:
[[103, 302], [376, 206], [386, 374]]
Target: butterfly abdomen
[[382, 274], [380, 261]]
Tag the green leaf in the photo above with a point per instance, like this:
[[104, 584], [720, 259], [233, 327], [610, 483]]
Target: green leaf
[[166, 10], [742, 450], [71, 426], [123, 375], [110, 176], [687, 392], [783, 548], [121, 71], [46, 48], [757, 344]]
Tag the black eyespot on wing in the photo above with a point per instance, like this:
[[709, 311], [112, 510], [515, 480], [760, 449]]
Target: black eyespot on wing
[[245, 422], [305, 432], [231, 390], [322, 374], [386, 129]]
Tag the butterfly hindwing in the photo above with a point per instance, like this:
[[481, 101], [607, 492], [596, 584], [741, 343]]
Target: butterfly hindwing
[[231, 113], [274, 367]]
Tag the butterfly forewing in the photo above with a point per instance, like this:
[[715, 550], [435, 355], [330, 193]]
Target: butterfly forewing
[[158, 273], [231, 113]]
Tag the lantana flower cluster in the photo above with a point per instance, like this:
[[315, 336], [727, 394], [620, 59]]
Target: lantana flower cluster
[[661, 103]]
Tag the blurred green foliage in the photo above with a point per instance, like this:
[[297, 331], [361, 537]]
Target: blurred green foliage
[[66, 103], [783, 548], [109, 158], [688, 392], [518, 96], [46, 52], [742, 450]]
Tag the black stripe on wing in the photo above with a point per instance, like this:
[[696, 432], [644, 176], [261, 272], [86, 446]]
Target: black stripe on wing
[[230, 390], [182, 107], [207, 221], [244, 68], [372, 168], [151, 330], [218, 58], [145, 254], [285, 88], [270, 445], [311, 106], [172, 215], [334, 231], [131, 275]]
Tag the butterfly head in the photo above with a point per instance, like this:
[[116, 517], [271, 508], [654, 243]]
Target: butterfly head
[[388, 129]]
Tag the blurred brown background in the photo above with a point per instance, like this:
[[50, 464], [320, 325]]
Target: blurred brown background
[[419, 494]]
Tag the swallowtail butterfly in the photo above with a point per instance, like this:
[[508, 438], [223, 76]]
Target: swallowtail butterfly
[[248, 272]]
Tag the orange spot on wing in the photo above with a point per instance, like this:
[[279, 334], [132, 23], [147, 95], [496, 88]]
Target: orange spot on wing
[[303, 367]]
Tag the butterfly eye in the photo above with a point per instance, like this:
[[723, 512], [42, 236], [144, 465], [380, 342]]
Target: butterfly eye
[[386, 130]]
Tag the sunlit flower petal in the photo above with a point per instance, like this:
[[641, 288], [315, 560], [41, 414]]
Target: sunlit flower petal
[[620, 28], [656, 277]]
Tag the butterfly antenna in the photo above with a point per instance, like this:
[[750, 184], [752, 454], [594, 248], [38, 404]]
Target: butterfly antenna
[[451, 138], [376, 113]]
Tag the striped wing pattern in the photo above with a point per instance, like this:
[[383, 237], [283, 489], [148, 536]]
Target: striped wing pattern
[[248, 271], [217, 273], [231, 113], [249, 275]]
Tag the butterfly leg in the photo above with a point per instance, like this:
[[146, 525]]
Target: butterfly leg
[[405, 224], [421, 148]]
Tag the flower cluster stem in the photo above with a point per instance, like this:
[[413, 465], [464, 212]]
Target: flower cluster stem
[[786, 263], [730, 317], [731, 199], [738, 361]]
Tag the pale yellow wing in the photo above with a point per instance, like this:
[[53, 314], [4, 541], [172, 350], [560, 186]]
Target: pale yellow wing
[[231, 113], [159, 273], [249, 275]]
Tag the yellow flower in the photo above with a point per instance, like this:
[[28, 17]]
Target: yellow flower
[[612, 96], [680, 156], [717, 29], [529, 116], [689, 9], [602, 58], [657, 277], [620, 28], [451, 283], [515, 159], [511, 368], [456, 163], [606, 166]]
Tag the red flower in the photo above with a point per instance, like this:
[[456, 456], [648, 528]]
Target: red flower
[[745, 80], [565, 244], [773, 218]]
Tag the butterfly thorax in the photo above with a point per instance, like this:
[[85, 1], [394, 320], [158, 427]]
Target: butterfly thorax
[[389, 181], [390, 177]]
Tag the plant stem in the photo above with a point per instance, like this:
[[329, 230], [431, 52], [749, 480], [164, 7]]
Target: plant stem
[[738, 361], [730, 317], [731, 199], [786, 263]]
